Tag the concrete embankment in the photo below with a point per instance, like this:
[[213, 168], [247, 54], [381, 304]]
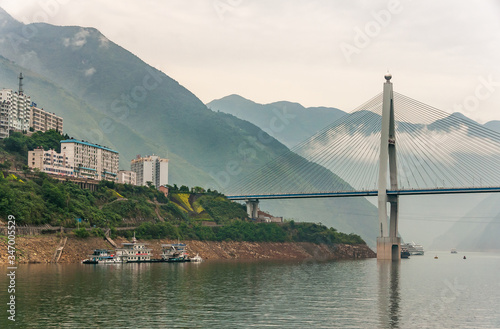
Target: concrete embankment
[[41, 249]]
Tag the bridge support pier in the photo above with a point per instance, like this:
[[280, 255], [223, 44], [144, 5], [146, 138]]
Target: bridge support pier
[[388, 248], [388, 243], [253, 208]]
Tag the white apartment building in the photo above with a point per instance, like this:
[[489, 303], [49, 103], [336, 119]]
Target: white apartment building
[[50, 162], [150, 169], [77, 159], [4, 119], [41, 120], [16, 109], [91, 160], [127, 177]]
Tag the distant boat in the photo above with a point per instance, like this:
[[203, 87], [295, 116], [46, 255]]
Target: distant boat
[[405, 253], [196, 259], [174, 253], [413, 248], [454, 251], [102, 256], [436, 257]]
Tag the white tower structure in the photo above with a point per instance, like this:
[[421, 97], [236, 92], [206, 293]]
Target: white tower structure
[[150, 169], [388, 243]]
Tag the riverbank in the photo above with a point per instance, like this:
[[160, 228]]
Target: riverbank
[[41, 249]]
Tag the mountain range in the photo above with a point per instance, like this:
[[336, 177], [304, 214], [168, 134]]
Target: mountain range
[[109, 96], [288, 122]]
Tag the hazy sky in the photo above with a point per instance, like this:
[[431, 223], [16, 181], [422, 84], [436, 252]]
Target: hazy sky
[[318, 53]]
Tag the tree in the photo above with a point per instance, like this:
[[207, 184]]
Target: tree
[[81, 233]]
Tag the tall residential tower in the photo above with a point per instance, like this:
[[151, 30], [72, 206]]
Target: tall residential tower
[[150, 169]]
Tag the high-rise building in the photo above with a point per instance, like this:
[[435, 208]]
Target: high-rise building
[[18, 113], [4, 119], [150, 169], [91, 160], [17, 109], [78, 159], [41, 120]]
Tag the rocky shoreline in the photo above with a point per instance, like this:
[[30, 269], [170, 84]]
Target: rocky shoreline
[[42, 248]]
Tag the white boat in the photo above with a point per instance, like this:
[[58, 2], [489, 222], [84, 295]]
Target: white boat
[[102, 256], [196, 259], [174, 252], [133, 252], [413, 248]]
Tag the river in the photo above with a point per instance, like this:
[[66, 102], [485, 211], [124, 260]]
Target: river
[[420, 292]]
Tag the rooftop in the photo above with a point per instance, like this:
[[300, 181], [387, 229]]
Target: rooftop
[[88, 144]]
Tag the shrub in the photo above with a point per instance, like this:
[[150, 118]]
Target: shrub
[[81, 233]]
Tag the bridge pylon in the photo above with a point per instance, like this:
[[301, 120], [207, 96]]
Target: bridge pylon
[[388, 243], [252, 208]]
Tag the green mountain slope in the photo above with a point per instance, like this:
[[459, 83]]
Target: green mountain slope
[[288, 122], [83, 121], [109, 96]]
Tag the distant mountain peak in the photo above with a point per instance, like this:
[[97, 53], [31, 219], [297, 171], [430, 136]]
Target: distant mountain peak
[[6, 19]]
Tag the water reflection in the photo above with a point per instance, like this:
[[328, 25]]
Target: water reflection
[[389, 293]]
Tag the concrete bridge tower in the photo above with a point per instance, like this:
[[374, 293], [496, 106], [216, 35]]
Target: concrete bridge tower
[[388, 243]]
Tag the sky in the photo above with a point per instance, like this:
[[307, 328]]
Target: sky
[[314, 52]]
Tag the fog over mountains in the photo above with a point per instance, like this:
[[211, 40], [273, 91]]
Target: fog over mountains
[[288, 122], [438, 221], [108, 96]]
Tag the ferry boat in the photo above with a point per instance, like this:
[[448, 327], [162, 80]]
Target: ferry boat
[[174, 252], [413, 248], [136, 252], [133, 252], [101, 256], [405, 253], [196, 259]]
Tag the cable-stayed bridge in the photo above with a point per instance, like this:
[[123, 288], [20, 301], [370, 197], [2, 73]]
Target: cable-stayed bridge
[[391, 145]]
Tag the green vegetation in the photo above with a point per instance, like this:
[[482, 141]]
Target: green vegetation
[[39, 199], [205, 147], [81, 233], [248, 231], [14, 150]]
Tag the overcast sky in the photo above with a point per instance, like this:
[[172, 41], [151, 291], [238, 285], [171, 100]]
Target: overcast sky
[[317, 53]]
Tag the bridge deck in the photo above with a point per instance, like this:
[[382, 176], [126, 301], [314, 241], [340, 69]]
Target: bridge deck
[[344, 194]]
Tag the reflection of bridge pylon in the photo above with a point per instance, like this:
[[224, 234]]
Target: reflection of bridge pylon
[[388, 245]]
